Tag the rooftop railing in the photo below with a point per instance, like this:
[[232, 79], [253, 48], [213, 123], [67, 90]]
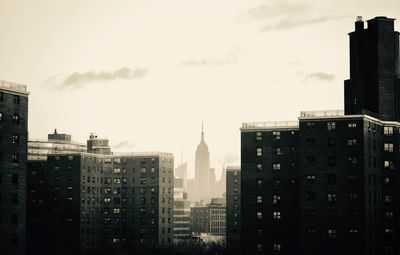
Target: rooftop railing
[[12, 86], [274, 124], [324, 113]]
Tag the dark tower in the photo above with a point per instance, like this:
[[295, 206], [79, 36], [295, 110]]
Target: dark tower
[[374, 70]]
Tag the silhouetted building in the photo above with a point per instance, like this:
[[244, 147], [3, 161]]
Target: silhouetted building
[[37, 186], [181, 172], [96, 200], [182, 225], [217, 209], [327, 184], [374, 70], [233, 226], [13, 157], [39, 149], [97, 145], [202, 172], [200, 219]]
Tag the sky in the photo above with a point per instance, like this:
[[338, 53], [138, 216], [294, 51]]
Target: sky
[[146, 74]]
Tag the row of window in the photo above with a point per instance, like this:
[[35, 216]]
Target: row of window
[[15, 117], [14, 157]]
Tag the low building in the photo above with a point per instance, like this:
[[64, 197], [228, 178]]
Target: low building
[[182, 226]]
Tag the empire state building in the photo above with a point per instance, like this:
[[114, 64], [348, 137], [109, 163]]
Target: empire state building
[[202, 171]]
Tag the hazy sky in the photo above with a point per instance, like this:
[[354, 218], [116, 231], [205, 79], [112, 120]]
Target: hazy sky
[[145, 74]]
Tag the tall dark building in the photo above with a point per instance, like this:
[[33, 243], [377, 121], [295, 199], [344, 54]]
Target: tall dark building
[[13, 158], [233, 219], [374, 83], [327, 183]]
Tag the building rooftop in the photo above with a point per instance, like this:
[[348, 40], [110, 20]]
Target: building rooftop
[[271, 125], [12, 86]]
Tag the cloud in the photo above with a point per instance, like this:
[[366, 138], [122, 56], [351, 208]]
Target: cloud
[[77, 80], [285, 14], [320, 76], [124, 145], [229, 59]]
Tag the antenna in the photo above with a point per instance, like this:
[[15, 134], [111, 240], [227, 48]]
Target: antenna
[[359, 18]]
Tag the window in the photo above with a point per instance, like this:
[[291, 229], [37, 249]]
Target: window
[[277, 247], [276, 151], [310, 125], [14, 158], [353, 196], [259, 199], [1, 116], [15, 118], [117, 170], [352, 142], [331, 179], [310, 160], [310, 195], [331, 197], [70, 157], [330, 126], [389, 164], [310, 141], [259, 247], [276, 166], [276, 199], [276, 215], [258, 136], [352, 125], [388, 147], [259, 167], [388, 199], [117, 180], [310, 178], [332, 233], [259, 152], [15, 139], [331, 142], [353, 160], [259, 215], [14, 178], [331, 161], [388, 130], [259, 182], [276, 135], [16, 99]]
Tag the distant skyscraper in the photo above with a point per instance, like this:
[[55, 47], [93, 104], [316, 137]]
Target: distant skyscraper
[[13, 157], [202, 171], [181, 172]]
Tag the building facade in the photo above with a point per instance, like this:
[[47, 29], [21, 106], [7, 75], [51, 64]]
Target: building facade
[[102, 200], [13, 158], [233, 219], [327, 184], [202, 172], [182, 227]]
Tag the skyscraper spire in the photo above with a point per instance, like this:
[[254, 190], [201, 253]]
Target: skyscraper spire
[[202, 133]]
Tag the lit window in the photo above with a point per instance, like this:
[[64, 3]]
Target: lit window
[[277, 151], [277, 247], [259, 152], [332, 233], [70, 157], [15, 118], [352, 125], [117, 180], [276, 166], [276, 135], [352, 142], [15, 139], [14, 158], [259, 167], [258, 136], [389, 164], [259, 247], [259, 215], [388, 130], [353, 160], [276, 199], [310, 125], [331, 197], [117, 170], [310, 178], [1, 116], [259, 182], [259, 199], [388, 147], [276, 215], [331, 125]]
